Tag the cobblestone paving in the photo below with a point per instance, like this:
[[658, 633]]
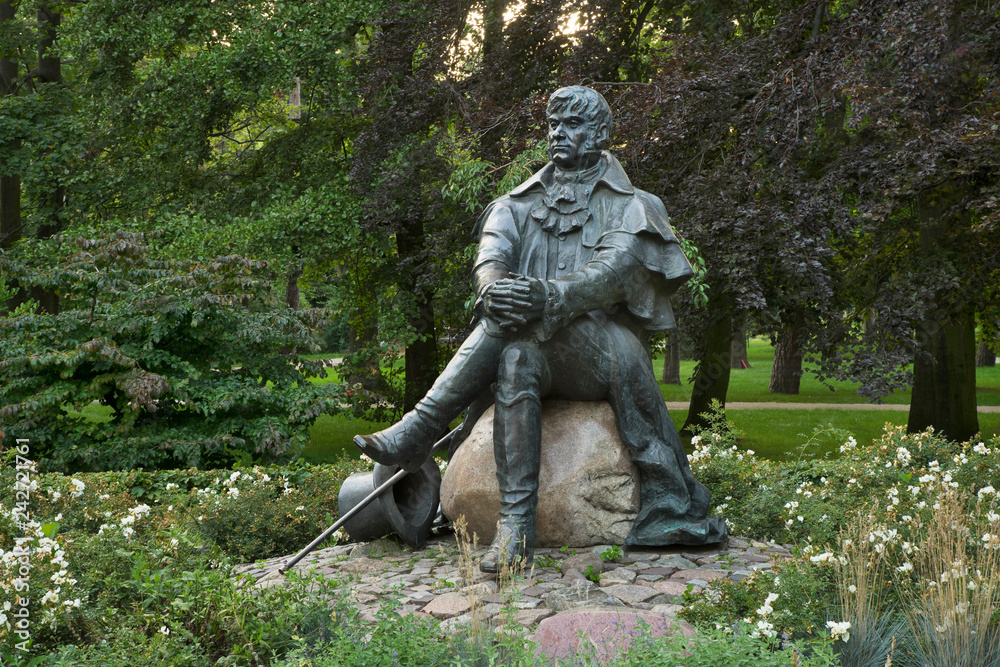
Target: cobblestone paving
[[432, 580]]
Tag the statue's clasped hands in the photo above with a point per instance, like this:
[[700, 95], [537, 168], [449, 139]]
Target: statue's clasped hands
[[514, 301]]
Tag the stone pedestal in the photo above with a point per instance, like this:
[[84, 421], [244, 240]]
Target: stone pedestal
[[588, 487]]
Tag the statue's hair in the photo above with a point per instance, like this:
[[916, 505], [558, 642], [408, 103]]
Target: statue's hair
[[584, 101]]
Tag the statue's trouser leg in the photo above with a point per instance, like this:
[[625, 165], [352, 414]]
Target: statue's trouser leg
[[408, 442], [674, 506], [517, 437]]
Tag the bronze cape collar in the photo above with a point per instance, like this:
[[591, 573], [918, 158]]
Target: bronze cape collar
[[565, 206]]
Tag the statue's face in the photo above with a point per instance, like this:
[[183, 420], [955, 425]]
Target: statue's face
[[568, 138]]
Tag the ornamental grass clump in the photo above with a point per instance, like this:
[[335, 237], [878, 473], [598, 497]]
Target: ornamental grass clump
[[955, 585], [868, 629]]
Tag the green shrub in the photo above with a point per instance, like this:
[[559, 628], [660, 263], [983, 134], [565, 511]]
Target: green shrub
[[720, 647], [197, 362]]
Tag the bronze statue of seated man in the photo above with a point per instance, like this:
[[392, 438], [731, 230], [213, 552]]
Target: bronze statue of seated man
[[574, 270]]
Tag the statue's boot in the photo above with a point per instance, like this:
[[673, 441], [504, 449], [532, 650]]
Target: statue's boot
[[517, 448], [408, 442]]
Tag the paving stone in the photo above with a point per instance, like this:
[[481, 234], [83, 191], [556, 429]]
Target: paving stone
[[448, 605], [650, 577], [753, 558], [363, 565], [668, 610], [529, 618], [481, 589], [671, 587], [604, 631], [581, 562], [665, 598], [380, 548], [739, 575], [578, 594], [675, 561], [526, 603], [630, 594], [701, 575], [662, 571], [621, 575]]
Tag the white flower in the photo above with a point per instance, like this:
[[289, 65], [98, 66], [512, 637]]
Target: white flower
[[233, 492], [78, 487], [852, 588], [905, 567], [265, 478], [171, 485], [51, 596], [300, 508], [139, 511], [695, 440], [174, 542], [981, 448], [766, 608], [128, 531], [55, 495], [849, 445], [164, 630], [766, 628], [839, 630], [985, 491], [822, 558], [903, 455]]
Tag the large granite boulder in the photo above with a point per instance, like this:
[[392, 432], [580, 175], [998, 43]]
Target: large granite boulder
[[588, 486]]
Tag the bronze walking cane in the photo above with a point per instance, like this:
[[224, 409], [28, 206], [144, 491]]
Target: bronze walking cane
[[385, 486]]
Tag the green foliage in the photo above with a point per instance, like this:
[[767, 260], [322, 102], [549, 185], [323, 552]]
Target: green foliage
[[718, 647], [614, 552], [196, 361]]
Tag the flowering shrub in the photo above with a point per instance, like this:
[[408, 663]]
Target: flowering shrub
[[39, 591], [903, 497]]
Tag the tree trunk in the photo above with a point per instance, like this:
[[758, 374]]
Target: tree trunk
[[493, 25], [363, 367], [986, 356], [421, 357], [10, 184], [944, 386], [738, 357], [292, 291], [787, 370], [711, 377], [672, 360], [50, 72], [421, 354]]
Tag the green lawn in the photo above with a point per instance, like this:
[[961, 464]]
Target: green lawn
[[775, 434], [750, 384]]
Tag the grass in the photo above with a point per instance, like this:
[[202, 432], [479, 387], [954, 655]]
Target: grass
[[775, 434], [750, 384]]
